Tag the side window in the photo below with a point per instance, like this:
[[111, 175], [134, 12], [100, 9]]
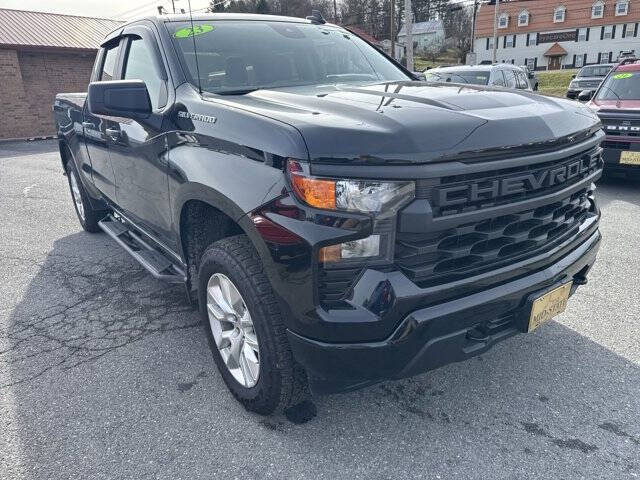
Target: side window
[[498, 78], [140, 65], [523, 83], [509, 78], [109, 64]]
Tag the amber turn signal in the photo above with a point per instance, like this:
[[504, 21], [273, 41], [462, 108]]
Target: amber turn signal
[[330, 254], [315, 192]]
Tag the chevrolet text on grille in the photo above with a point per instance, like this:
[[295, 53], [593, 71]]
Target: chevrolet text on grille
[[472, 192]]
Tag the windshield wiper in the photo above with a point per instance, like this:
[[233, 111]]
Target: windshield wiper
[[617, 96], [460, 76], [237, 91]]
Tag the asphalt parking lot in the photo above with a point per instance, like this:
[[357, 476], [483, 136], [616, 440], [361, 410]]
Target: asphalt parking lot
[[106, 373]]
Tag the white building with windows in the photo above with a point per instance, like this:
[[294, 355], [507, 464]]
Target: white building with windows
[[426, 35], [555, 34]]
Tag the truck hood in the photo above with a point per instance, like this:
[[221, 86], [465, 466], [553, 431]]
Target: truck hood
[[621, 106], [417, 122]]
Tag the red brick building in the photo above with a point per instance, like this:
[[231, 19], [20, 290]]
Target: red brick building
[[42, 54], [554, 34]]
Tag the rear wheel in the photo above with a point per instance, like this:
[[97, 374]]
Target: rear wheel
[[245, 329], [87, 216]]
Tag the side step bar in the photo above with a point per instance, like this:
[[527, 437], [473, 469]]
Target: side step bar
[[150, 258]]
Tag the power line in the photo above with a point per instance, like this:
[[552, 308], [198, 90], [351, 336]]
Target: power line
[[126, 12]]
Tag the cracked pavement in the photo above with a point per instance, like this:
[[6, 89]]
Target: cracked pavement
[[105, 372]]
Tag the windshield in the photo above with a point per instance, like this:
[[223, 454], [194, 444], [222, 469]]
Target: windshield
[[240, 56], [597, 71], [477, 77], [621, 86]]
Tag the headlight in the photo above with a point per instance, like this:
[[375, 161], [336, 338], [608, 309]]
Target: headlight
[[379, 199], [349, 195]]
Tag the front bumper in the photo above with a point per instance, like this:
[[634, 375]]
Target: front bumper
[[439, 334], [613, 147]]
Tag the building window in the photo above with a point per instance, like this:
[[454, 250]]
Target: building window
[[622, 7], [490, 43], [533, 39], [582, 34], [523, 18], [531, 63], [608, 32], [558, 15], [503, 21], [579, 61], [508, 41], [597, 10], [604, 57], [630, 30]]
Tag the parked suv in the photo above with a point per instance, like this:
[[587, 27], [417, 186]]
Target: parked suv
[[617, 103], [588, 78], [499, 75], [337, 222]]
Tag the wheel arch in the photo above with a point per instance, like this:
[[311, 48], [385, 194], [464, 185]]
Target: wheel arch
[[205, 218]]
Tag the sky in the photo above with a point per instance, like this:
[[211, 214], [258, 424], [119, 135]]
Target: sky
[[118, 9]]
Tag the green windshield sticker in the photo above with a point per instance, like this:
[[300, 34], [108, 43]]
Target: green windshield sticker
[[187, 32], [622, 76]]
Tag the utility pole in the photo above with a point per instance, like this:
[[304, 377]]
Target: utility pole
[[408, 38], [495, 33], [173, 5], [473, 24], [335, 11], [393, 38]]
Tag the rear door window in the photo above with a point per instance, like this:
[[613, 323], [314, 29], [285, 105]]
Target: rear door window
[[498, 78], [521, 78], [509, 78]]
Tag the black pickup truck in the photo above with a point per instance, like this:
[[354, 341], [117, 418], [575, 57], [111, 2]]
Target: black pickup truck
[[338, 222]]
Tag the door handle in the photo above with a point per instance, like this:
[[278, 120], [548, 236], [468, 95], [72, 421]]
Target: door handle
[[88, 125], [113, 132]]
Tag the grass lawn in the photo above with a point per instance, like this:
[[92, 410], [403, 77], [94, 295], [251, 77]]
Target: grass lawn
[[555, 82]]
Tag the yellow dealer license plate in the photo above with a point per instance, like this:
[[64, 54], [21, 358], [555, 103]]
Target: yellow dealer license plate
[[549, 305], [630, 158]]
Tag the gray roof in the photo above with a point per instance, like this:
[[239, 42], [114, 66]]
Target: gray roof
[[21, 28], [424, 27]]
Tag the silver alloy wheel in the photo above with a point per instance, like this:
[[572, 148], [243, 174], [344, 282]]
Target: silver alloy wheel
[[75, 193], [232, 330]]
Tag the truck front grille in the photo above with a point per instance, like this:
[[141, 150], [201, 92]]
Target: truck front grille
[[439, 257], [486, 181], [444, 241], [620, 127]]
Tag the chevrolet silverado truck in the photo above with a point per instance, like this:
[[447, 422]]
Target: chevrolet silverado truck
[[617, 103], [337, 222]]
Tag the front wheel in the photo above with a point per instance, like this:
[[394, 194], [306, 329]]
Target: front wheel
[[244, 325]]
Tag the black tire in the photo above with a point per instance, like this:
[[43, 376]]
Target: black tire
[[89, 218], [282, 382]]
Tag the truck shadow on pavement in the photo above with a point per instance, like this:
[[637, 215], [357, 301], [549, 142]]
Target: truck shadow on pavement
[[94, 338]]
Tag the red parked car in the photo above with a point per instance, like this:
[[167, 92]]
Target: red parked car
[[617, 103]]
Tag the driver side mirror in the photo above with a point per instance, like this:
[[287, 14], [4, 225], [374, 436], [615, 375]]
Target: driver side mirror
[[119, 98], [585, 95], [573, 76]]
